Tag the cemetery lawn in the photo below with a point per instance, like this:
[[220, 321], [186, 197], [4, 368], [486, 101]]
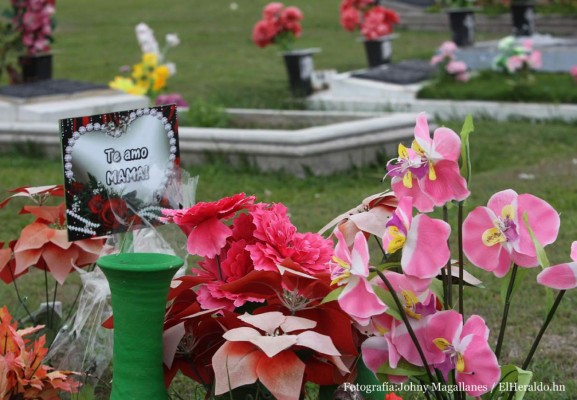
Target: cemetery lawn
[[216, 60], [536, 158], [543, 87]]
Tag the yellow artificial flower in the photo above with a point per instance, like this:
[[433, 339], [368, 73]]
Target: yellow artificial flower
[[161, 75]]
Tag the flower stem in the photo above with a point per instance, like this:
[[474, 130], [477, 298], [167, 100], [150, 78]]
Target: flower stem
[[543, 328], [449, 279], [408, 325], [20, 300], [48, 322], [506, 311], [461, 259]]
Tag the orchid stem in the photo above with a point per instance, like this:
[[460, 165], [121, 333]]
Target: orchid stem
[[461, 259], [506, 311], [543, 328], [408, 325], [449, 279]]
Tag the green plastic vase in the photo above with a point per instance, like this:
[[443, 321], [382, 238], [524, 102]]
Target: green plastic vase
[[139, 285]]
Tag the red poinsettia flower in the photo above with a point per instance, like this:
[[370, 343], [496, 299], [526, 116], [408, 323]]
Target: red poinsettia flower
[[203, 225], [44, 244]]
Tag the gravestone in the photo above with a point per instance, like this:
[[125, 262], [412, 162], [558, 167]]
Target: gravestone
[[402, 73], [48, 87]]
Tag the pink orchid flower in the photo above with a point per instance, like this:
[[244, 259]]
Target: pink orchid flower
[[265, 354], [203, 225], [422, 239], [561, 276], [351, 269], [496, 235], [465, 349], [432, 165]]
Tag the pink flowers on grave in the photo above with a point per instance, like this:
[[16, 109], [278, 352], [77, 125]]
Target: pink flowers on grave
[[374, 21], [562, 276], [351, 269], [465, 349], [429, 171], [279, 25], [448, 65], [422, 239], [573, 72], [497, 235], [33, 19], [264, 351], [526, 59]]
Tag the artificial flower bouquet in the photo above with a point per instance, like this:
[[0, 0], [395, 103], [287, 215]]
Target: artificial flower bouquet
[[373, 20], [447, 64], [517, 58], [150, 76], [269, 309], [279, 25]]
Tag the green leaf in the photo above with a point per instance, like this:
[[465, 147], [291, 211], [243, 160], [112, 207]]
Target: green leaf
[[541, 255], [512, 377], [466, 130], [387, 298], [334, 295], [366, 378], [437, 289]]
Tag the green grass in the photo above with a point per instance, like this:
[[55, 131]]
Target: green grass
[[534, 158], [494, 86], [216, 59]]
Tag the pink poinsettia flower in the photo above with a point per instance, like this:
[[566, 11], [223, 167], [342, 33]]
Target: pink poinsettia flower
[[203, 225], [37, 193], [266, 354], [561, 276], [465, 349], [351, 269], [44, 244], [496, 236], [422, 239]]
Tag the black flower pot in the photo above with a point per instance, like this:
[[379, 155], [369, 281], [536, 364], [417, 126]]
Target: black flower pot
[[462, 23], [300, 67], [523, 18], [36, 68], [379, 51]]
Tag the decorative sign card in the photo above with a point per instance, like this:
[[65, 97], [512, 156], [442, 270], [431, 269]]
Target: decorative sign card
[[117, 167]]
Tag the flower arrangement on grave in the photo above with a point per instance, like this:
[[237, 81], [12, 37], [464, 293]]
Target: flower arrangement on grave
[[279, 25], [24, 376], [573, 72], [517, 59], [374, 21], [448, 66], [149, 77], [272, 310], [26, 31]]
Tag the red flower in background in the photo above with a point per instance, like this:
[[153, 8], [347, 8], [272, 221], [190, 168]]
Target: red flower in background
[[373, 20], [279, 25]]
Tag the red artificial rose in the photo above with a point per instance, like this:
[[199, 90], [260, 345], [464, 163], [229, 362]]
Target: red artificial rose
[[96, 203], [112, 213], [350, 19], [264, 32]]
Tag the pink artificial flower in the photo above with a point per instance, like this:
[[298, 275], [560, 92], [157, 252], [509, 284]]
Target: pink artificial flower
[[264, 32], [496, 236], [272, 10], [422, 239], [265, 354], [429, 171], [278, 241], [203, 225], [351, 268], [350, 18], [171, 98], [465, 349], [561, 276], [573, 72], [515, 63], [535, 60], [456, 67], [448, 48]]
